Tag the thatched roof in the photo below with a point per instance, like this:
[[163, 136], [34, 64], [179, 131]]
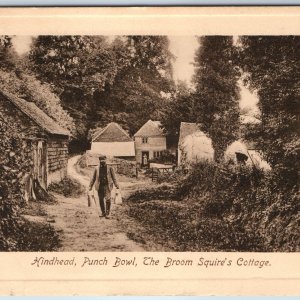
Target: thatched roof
[[113, 132], [187, 129], [150, 128], [36, 115]]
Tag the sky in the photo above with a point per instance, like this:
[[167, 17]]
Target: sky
[[183, 47]]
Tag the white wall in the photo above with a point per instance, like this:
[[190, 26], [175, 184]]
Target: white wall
[[156, 143], [117, 149]]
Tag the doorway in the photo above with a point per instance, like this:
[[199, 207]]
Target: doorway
[[145, 159]]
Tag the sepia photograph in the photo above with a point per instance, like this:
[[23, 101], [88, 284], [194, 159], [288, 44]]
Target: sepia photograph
[[149, 143], [149, 151]]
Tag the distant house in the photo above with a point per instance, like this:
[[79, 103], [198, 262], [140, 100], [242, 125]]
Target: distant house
[[150, 141], [45, 139], [244, 152], [193, 145], [113, 141]]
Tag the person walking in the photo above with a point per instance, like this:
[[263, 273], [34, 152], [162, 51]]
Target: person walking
[[104, 179]]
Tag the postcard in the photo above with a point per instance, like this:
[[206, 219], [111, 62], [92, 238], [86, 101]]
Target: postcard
[[149, 151]]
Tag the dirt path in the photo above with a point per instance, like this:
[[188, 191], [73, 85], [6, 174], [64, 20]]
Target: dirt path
[[80, 227]]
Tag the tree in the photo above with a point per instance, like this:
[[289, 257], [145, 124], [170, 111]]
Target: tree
[[98, 81], [272, 68], [67, 61], [179, 108], [76, 67], [217, 92], [139, 85], [7, 54]]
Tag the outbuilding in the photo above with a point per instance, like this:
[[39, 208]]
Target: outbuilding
[[44, 139], [113, 141], [193, 145]]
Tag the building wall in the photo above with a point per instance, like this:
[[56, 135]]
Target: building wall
[[57, 150], [116, 149], [157, 143], [194, 148]]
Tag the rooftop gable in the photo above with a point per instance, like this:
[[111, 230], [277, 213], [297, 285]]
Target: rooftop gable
[[187, 129], [36, 115], [150, 128], [113, 132]]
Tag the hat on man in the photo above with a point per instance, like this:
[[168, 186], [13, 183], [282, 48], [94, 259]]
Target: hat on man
[[102, 157]]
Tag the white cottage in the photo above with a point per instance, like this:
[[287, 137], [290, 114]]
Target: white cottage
[[150, 141], [193, 145], [113, 141]]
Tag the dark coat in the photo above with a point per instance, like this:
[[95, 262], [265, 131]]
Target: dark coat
[[108, 183]]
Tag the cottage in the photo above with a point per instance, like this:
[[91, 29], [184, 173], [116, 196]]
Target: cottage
[[150, 141], [244, 152], [113, 141], [193, 145], [45, 139]]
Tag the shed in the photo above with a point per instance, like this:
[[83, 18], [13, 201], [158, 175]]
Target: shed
[[193, 144], [45, 139], [149, 141], [113, 141]]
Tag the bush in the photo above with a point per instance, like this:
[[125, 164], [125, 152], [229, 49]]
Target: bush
[[125, 167], [14, 164], [166, 157], [226, 208], [161, 192], [37, 237], [68, 187]]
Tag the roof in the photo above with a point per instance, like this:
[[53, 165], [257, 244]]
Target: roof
[[36, 115], [113, 132], [187, 129], [150, 128]]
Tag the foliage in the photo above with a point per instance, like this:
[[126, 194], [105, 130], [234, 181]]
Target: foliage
[[47, 101], [30, 89], [75, 67], [72, 61], [166, 157], [161, 192], [225, 208], [100, 81], [68, 187], [217, 92], [179, 108], [138, 86], [16, 234], [7, 54], [13, 166], [272, 67], [37, 236]]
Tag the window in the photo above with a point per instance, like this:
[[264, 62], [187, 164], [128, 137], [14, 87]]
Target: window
[[156, 154], [144, 140]]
